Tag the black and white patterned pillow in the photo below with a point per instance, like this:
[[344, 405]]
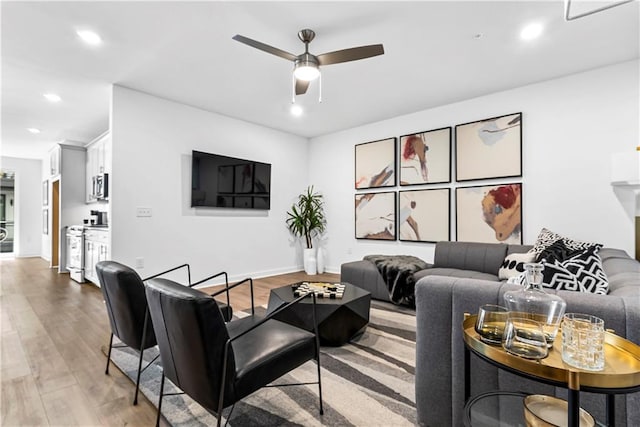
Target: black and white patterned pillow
[[557, 251], [582, 272], [547, 237], [513, 264], [556, 276]]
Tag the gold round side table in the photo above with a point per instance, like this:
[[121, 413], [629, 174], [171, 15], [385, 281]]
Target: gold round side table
[[620, 375]]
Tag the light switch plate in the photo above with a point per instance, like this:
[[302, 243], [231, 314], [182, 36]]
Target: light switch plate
[[143, 212]]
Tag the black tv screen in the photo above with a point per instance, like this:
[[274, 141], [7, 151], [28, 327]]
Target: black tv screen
[[226, 182]]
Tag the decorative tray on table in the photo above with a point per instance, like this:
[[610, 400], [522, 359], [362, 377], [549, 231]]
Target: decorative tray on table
[[321, 289], [621, 371]]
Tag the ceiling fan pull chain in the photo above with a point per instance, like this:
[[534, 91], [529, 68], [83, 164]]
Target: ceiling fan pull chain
[[320, 88], [293, 88]]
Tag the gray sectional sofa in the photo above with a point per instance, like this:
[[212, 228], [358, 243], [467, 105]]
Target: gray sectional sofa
[[465, 276]]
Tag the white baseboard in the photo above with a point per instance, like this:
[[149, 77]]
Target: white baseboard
[[14, 255]]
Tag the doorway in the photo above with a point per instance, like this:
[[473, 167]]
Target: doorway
[[7, 218], [55, 224]]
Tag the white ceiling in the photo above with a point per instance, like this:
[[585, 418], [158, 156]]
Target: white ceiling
[[183, 51]]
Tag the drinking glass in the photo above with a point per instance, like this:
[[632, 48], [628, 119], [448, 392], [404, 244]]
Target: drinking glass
[[525, 338], [490, 323], [583, 341]]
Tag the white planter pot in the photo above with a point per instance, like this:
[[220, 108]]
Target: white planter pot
[[320, 260], [309, 260]]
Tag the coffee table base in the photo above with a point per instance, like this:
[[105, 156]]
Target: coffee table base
[[339, 320]]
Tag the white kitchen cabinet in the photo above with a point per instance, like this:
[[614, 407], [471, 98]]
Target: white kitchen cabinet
[[96, 249], [92, 154], [98, 161], [54, 160]]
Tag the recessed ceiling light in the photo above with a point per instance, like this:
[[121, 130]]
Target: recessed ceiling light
[[89, 37], [296, 110], [33, 130], [52, 97], [531, 31]]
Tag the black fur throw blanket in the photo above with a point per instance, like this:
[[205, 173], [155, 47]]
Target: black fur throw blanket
[[397, 272]]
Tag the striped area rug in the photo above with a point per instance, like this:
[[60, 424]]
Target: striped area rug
[[368, 382]]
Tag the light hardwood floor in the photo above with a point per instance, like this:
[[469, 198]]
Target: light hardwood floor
[[52, 364]]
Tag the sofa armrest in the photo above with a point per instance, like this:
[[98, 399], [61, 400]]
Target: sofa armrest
[[365, 275], [440, 306]]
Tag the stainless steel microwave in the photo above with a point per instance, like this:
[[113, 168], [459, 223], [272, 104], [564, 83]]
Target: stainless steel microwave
[[101, 186]]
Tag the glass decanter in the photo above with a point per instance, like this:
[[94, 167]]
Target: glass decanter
[[532, 302]]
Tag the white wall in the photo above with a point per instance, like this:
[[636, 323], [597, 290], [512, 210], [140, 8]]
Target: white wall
[[28, 205], [45, 250], [571, 126], [152, 142], [73, 208]]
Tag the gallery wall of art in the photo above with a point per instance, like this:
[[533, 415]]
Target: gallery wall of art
[[570, 128], [487, 149]]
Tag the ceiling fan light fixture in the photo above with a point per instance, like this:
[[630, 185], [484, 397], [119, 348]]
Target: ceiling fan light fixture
[[306, 70], [306, 73]]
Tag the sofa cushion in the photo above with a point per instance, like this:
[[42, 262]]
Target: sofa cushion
[[547, 237], [627, 291], [613, 266], [454, 272], [623, 279], [482, 257], [518, 249], [513, 264], [606, 253]]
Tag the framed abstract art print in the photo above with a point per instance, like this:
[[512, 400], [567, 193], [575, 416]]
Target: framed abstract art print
[[490, 148], [375, 216], [489, 214], [425, 158], [423, 215], [375, 164]]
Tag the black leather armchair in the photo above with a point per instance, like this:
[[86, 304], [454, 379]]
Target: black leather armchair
[[218, 364], [124, 296]]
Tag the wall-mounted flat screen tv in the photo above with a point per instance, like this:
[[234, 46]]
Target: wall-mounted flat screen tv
[[226, 182]]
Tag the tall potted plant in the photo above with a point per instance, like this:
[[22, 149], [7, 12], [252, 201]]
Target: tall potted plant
[[306, 219]]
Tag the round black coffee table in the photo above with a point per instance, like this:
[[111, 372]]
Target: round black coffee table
[[339, 320]]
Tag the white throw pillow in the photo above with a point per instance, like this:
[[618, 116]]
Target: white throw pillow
[[513, 264]]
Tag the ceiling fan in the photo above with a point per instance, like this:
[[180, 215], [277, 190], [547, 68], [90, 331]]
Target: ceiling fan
[[306, 65]]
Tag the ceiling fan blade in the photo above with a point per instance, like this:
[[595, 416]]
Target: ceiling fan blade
[[301, 86], [265, 47], [351, 54]]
